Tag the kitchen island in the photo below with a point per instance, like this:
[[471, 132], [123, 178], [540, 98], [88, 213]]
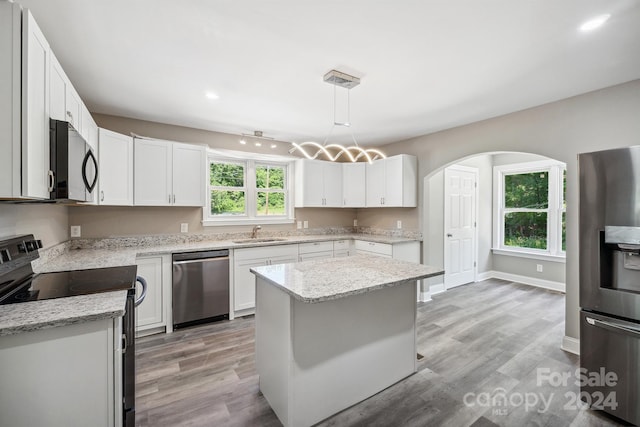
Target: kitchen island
[[333, 332]]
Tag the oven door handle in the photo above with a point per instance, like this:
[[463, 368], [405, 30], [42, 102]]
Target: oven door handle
[[144, 291], [616, 327]]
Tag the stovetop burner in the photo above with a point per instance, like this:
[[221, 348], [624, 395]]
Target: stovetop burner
[[72, 283]]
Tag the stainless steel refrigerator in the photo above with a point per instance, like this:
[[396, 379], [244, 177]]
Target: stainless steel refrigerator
[[609, 243]]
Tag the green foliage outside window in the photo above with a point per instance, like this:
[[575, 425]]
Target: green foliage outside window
[[229, 190], [271, 201], [229, 200], [526, 229]]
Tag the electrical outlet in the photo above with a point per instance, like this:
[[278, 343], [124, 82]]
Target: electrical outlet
[[184, 227], [76, 231], [299, 225], [306, 224], [355, 222], [539, 268], [399, 224]]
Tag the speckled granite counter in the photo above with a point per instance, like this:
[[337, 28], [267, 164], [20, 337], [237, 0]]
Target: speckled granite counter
[[317, 281], [120, 252], [31, 316], [110, 255]]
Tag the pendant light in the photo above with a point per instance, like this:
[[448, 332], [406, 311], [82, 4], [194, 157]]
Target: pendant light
[[333, 152]]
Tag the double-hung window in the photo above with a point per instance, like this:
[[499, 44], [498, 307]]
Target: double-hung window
[[530, 209], [248, 191]]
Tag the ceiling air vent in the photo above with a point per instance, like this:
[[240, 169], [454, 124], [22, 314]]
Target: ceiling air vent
[[341, 79]]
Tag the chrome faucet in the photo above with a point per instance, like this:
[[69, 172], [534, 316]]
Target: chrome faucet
[[254, 232]]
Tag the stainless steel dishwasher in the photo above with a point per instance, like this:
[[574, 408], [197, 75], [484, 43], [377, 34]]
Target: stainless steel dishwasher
[[200, 287]]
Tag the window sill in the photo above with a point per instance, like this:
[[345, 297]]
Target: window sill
[[245, 221], [530, 255]]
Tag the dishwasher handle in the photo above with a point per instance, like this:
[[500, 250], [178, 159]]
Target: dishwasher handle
[[199, 256], [143, 282]]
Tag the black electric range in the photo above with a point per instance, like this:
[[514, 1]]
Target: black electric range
[[72, 283], [19, 284]]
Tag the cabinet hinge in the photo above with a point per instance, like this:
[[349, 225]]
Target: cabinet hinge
[[475, 264], [475, 184]]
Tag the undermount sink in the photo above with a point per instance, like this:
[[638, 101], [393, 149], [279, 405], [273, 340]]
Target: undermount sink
[[266, 239]]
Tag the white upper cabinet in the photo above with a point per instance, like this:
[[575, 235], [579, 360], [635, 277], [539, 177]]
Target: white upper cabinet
[[353, 185], [35, 110], [392, 182], [115, 174], [168, 173], [188, 175], [318, 184], [57, 90], [152, 173]]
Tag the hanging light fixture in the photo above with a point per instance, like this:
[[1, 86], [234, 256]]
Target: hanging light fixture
[[257, 134], [333, 151]]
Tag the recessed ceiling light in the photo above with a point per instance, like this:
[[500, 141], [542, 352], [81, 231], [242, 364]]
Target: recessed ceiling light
[[594, 23], [212, 95], [243, 142], [273, 145], [258, 144]]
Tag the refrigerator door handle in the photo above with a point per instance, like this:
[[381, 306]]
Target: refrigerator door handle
[[616, 327]]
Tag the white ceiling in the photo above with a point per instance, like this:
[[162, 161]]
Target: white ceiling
[[425, 65]]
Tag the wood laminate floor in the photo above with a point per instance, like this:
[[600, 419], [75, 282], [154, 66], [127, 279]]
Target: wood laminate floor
[[480, 342]]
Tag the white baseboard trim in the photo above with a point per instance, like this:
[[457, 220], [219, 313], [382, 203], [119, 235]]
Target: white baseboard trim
[[425, 296], [532, 281], [484, 276], [570, 344], [436, 288]]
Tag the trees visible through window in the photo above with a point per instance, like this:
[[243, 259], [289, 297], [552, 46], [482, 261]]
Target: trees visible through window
[[526, 209], [270, 190], [247, 190], [531, 211], [228, 189]]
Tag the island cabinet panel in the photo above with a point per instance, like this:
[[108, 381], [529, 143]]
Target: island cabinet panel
[[71, 374], [316, 359]]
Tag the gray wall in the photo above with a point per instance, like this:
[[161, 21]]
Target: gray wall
[[47, 222], [599, 120]]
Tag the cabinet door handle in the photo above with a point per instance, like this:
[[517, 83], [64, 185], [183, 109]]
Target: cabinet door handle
[[174, 199], [70, 116], [169, 198], [101, 196]]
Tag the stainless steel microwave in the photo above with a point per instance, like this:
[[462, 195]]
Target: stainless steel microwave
[[74, 167]]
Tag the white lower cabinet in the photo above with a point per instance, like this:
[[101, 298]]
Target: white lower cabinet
[[244, 288], [404, 251], [342, 248], [73, 372], [153, 311], [315, 250]]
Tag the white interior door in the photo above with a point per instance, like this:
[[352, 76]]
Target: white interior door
[[459, 225]]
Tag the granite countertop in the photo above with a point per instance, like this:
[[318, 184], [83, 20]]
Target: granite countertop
[[77, 259], [16, 318], [31, 316], [317, 281]]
